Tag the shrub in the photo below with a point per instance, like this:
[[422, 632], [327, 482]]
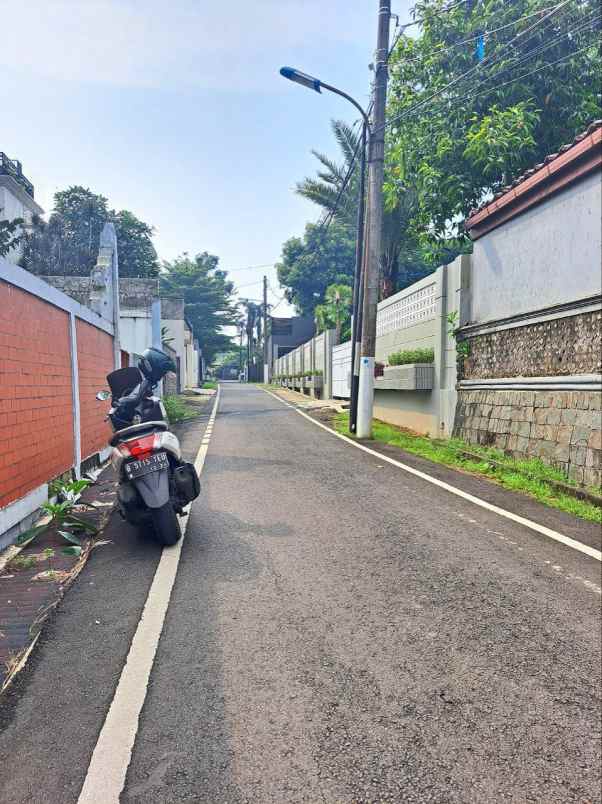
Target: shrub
[[175, 409], [412, 356]]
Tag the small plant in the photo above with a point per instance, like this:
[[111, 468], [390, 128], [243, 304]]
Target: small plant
[[175, 409], [408, 356], [60, 514], [462, 347], [23, 562]]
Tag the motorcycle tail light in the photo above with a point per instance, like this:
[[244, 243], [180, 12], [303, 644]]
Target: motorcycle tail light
[[139, 447]]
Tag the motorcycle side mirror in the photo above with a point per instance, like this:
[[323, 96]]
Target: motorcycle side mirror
[[102, 396]]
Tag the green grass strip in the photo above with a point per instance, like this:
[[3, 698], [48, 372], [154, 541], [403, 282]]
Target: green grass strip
[[529, 476]]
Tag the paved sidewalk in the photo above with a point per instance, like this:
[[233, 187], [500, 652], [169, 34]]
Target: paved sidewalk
[[34, 579]]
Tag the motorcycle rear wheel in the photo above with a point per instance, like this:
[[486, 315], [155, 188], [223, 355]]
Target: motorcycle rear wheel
[[166, 525]]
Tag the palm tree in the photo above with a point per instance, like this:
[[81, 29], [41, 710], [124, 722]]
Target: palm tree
[[401, 260], [253, 319], [335, 310]]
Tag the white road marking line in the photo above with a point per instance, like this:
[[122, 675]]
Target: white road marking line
[[527, 523], [111, 757]]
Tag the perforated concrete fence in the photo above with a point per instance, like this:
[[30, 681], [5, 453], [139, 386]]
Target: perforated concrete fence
[[311, 359]]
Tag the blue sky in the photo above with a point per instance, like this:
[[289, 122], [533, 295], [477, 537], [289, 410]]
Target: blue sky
[[177, 112]]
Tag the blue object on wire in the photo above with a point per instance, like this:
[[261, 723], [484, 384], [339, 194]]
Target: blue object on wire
[[480, 48]]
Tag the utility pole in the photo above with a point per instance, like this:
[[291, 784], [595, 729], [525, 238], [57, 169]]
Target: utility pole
[[358, 283], [241, 327], [266, 367], [375, 221]]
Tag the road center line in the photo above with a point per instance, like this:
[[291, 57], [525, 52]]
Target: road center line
[[527, 523], [111, 757]]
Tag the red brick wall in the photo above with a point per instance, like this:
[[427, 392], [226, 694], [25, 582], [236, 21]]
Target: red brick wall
[[36, 429], [95, 361]]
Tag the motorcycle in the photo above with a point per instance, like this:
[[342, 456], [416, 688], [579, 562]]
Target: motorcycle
[[155, 484]]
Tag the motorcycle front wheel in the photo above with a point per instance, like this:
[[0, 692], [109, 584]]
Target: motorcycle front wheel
[[166, 525]]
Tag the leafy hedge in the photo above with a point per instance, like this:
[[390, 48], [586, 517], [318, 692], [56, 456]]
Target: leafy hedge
[[412, 356]]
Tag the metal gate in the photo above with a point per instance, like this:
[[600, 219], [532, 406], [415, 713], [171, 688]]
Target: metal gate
[[341, 371]]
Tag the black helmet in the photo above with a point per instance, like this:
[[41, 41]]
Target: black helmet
[[155, 364]]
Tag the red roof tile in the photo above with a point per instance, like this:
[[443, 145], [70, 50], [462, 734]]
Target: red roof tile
[[556, 171]]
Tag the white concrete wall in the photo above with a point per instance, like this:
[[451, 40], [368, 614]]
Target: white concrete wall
[[16, 203], [192, 366], [548, 255], [135, 330], [175, 329]]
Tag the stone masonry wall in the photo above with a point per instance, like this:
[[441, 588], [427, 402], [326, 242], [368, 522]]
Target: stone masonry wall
[[563, 346], [78, 287], [562, 428], [137, 293], [133, 293]]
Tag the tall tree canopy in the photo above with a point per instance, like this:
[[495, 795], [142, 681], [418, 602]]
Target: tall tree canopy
[[208, 298], [68, 243], [336, 189], [322, 257], [486, 90]]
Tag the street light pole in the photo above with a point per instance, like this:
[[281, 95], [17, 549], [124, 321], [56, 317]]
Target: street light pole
[[310, 82], [357, 287], [376, 162], [266, 361]]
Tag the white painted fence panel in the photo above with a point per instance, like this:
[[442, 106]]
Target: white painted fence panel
[[319, 353], [341, 370], [307, 356]]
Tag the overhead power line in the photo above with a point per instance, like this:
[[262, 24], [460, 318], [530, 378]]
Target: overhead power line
[[251, 267], [532, 72], [485, 34], [488, 62]]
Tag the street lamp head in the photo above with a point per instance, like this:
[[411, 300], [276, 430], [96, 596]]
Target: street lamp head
[[301, 78]]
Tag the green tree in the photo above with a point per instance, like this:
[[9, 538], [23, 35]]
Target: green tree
[[322, 257], [231, 363], [336, 310], [208, 298], [68, 243], [10, 235], [252, 328], [137, 255], [485, 91], [336, 189]]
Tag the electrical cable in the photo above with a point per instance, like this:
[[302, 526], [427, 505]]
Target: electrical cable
[[443, 89], [485, 34], [250, 267], [532, 72], [527, 56], [478, 66]]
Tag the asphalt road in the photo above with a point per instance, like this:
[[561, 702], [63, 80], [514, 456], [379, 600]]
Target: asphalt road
[[339, 631]]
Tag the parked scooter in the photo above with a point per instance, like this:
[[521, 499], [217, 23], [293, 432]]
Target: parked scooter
[[154, 483]]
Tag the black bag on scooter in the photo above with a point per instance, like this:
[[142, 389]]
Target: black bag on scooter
[[187, 483]]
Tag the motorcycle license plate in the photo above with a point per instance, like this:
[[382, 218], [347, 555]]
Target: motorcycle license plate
[[144, 466]]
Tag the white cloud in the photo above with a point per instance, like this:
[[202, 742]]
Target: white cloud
[[188, 43]]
